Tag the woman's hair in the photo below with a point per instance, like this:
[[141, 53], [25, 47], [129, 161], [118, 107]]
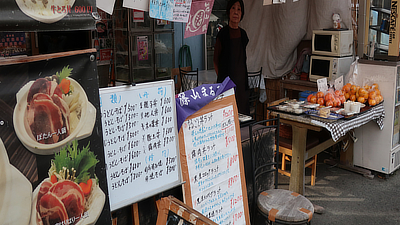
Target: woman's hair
[[230, 4]]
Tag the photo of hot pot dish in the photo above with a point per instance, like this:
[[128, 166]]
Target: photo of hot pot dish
[[71, 194], [46, 11], [52, 111]]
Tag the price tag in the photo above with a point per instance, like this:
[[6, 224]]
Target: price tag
[[339, 83], [322, 84]]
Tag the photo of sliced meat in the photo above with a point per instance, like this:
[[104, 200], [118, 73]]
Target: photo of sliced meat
[[47, 112], [42, 10], [59, 202]]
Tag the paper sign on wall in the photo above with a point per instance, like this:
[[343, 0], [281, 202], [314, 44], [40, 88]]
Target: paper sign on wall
[[138, 16], [162, 9], [143, 48], [133, 4], [181, 11]]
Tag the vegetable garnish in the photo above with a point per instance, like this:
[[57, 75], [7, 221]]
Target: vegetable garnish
[[53, 179], [74, 164], [64, 83], [86, 187]]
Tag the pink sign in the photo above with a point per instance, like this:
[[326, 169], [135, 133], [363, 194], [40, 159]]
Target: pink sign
[[198, 18]]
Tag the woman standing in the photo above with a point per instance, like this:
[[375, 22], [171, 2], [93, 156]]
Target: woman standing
[[230, 54]]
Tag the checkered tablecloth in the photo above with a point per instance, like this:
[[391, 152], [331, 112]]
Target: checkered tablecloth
[[340, 127]]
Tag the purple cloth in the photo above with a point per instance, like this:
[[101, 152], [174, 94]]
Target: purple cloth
[[191, 101]]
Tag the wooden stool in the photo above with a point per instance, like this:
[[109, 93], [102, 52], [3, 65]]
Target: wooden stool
[[285, 207]]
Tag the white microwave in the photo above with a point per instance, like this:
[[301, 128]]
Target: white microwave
[[329, 67], [332, 42]]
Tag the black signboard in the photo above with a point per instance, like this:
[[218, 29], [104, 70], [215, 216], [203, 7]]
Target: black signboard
[[47, 15]]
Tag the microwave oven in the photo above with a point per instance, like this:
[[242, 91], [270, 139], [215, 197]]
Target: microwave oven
[[329, 67], [332, 42]]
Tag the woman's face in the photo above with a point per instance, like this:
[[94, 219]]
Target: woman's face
[[235, 14]]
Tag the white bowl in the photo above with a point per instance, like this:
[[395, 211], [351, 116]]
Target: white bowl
[[83, 129], [15, 192], [94, 211], [43, 14]]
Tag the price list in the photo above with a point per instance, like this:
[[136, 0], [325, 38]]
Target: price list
[[140, 145]]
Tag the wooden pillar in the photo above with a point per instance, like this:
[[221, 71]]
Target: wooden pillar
[[298, 160]]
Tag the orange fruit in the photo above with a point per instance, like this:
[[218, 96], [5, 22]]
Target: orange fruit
[[366, 96], [372, 94], [338, 92], [361, 99], [377, 91], [346, 88], [362, 92], [338, 102], [367, 87], [320, 94], [313, 99], [328, 96], [352, 98], [342, 99], [347, 95], [320, 101], [309, 97], [375, 86], [353, 89], [329, 103], [371, 102]]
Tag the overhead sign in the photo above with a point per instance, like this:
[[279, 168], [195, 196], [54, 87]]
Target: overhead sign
[[199, 17]]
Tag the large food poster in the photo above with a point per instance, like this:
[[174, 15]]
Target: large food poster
[[140, 141], [47, 15], [52, 168], [212, 163]]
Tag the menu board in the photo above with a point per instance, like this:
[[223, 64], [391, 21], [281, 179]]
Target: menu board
[[212, 163], [140, 145], [52, 160]]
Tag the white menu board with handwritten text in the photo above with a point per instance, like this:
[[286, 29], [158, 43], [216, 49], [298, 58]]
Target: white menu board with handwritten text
[[214, 166], [140, 141]]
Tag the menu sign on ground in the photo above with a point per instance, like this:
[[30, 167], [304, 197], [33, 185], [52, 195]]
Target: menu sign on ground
[[140, 141], [213, 164]]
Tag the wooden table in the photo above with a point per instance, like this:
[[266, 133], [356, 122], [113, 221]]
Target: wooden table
[[297, 85], [302, 123]]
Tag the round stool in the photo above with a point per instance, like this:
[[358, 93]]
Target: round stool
[[285, 207]]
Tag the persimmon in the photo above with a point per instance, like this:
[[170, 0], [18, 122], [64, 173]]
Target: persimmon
[[346, 88], [361, 99], [375, 86], [342, 99], [320, 94], [329, 103], [366, 96], [371, 102], [353, 89], [377, 91], [352, 98], [320, 101], [313, 99], [362, 92], [372, 94], [328, 96], [347, 95], [367, 87], [338, 92], [309, 97], [337, 102]]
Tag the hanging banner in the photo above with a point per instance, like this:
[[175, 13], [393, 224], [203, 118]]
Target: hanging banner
[[55, 15], [181, 11], [140, 5], [52, 168], [162, 9], [199, 17], [143, 48]]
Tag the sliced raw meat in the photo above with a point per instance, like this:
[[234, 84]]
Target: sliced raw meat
[[71, 194], [44, 188], [47, 121], [41, 85], [51, 209]]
